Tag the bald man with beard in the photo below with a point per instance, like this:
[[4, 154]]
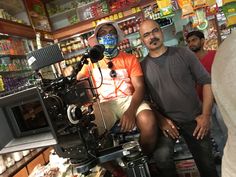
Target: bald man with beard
[[170, 74]]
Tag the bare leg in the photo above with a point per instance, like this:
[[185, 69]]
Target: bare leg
[[147, 124]]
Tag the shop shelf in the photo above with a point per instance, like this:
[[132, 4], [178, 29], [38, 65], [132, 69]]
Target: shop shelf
[[19, 71], [12, 56], [62, 14]]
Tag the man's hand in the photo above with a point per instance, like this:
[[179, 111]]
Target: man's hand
[[127, 121], [203, 125], [169, 128]]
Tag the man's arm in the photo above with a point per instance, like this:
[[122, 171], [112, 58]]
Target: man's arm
[[128, 118], [203, 120], [167, 126], [80, 76], [138, 95], [207, 99]]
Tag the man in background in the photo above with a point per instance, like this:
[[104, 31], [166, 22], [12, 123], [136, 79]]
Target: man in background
[[196, 41], [224, 86], [170, 74]]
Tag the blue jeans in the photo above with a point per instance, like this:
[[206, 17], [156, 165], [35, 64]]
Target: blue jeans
[[200, 149]]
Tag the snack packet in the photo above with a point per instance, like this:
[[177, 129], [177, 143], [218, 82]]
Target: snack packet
[[227, 1], [199, 4], [187, 8], [210, 2], [230, 13]]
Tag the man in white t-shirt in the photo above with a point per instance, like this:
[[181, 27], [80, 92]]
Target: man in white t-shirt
[[224, 89]]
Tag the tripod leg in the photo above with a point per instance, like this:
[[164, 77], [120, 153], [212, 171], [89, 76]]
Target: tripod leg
[[138, 167]]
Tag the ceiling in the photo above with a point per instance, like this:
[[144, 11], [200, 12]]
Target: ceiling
[[12, 6]]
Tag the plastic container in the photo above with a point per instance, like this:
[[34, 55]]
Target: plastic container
[[2, 165]]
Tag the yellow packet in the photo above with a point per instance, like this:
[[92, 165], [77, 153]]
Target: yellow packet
[[120, 15], [111, 17], [187, 8], [133, 10], [197, 4], [210, 2], [163, 3], [228, 1], [93, 23]]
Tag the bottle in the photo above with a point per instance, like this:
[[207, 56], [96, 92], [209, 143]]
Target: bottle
[[130, 28], [125, 28], [138, 24], [63, 49], [121, 25], [1, 84], [134, 26]]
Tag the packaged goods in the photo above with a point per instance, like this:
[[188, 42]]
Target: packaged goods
[[2, 165], [166, 8], [228, 1], [230, 13], [212, 10], [199, 4], [210, 2], [187, 8]]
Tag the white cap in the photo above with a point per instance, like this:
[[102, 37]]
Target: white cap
[[93, 39]]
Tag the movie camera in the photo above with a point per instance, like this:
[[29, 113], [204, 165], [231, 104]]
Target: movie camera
[[59, 112]]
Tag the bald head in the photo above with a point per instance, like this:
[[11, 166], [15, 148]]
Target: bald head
[[146, 23], [151, 34]]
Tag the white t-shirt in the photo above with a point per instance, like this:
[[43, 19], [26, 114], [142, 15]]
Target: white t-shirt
[[224, 89]]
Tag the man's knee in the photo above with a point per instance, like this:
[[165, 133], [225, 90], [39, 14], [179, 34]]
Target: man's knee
[[147, 123], [163, 154]]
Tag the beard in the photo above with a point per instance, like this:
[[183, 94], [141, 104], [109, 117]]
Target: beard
[[195, 49]]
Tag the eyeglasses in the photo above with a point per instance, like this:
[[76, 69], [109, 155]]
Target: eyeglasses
[[113, 73]]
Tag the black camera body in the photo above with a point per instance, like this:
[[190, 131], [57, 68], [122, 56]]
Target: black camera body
[[69, 106]]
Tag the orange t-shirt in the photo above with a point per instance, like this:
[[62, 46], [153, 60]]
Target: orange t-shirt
[[125, 65]]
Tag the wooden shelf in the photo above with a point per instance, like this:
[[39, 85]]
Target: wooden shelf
[[16, 29], [20, 30], [62, 13], [11, 72], [22, 163], [12, 56], [86, 25]]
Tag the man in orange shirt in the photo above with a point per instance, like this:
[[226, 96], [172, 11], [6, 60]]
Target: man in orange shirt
[[122, 89]]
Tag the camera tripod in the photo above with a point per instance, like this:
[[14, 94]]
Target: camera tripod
[[130, 152]]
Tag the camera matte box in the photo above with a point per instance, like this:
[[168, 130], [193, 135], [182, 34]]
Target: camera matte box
[[44, 57]]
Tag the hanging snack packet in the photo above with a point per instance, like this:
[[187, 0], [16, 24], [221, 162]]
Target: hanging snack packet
[[210, 2], [163, 3], [187, 8], [203, 23], [228, 1], [199, 18], [167, 12], [195, 21], [212, 10], [230, 13], [199, 4], [166, 8]]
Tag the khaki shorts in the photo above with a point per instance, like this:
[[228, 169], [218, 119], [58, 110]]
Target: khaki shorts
[[113, 111]]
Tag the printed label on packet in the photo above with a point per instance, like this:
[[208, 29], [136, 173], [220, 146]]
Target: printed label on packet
[[31, 60]]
